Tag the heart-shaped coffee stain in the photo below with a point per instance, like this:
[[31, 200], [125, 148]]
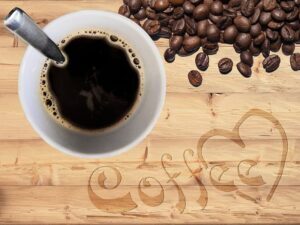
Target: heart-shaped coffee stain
[[244, 176]]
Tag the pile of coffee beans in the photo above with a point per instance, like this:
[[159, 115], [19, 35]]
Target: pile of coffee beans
[[252, 27]]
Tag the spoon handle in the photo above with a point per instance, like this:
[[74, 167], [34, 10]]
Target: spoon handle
[[19, 23]]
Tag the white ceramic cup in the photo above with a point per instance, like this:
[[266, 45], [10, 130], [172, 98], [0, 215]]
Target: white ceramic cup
[[102, 144]]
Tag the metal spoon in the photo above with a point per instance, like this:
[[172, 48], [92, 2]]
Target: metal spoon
[[19, 23]]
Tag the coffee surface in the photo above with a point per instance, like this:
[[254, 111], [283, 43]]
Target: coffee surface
[[98, 87]]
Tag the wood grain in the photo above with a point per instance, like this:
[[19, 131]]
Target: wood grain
[[159, 181]]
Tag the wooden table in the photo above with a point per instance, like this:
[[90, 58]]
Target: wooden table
[[227, 152]]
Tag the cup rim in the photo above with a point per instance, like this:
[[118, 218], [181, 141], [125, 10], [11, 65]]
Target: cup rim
[[151, 123]]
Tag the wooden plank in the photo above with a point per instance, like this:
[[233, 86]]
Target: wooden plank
[[71, 204]]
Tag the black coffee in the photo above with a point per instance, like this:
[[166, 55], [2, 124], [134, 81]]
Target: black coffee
[[98, 87]]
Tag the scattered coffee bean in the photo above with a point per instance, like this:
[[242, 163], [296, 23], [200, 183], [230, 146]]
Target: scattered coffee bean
[[169, 55], [295, 61], [242, 23], [225, 65], [230, 34], [134, 5], [159, 5], [210, 48], [271, 63], [287, 33], [124, 10], [195, 78], [243, 40], [213, 33], [191, 43], [176, 42], [201, 12], [288, 48], [250, 26], [244, 69], [247, 58], [202, 61]]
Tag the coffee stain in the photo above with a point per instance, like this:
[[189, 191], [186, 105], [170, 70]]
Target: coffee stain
[[251, 181], [181, 205], [234, 136], [115, 205], [152, 201]]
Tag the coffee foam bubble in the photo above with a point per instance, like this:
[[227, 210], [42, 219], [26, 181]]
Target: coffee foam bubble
[[49, 100]]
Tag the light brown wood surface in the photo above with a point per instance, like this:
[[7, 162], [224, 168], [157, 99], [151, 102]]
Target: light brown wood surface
[[241, 123]]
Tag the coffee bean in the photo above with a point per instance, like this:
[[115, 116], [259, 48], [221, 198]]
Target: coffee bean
[[201, 12], [176, 2], [259, 39], [124, 10], [169, 10], [265, 18], [287, 33], [136, 21], [234, 3], [134, 5], [159, 5], [224, 22], [202, 61], [191, 25], [195, 78], [297, 37], [255, 51], [152, 27], [255, 17], [196, 2], [169, 55], [191, 43], [213, 33], [184, 53], [293, 15], [275, 25], [269, 5], [141, 14], [145, 3], [188, 7], [179, 27], [255, 30], [272, 34], [176, 42], [164, 19], [216, 7], [225, 65], [237, 49], [230, 34], [265, 48], [202, 28], [287, 5], [151, 14], [247, 58], [275, 45], [210, 48], [278, 15], [165, 32], [288, 48], [295, 25], [271, 63], [242, 23], [214, 19], [178, 13], [297, 2], [248, 7], [243, 40], [244, 69], [295, 61], [230, 12]]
